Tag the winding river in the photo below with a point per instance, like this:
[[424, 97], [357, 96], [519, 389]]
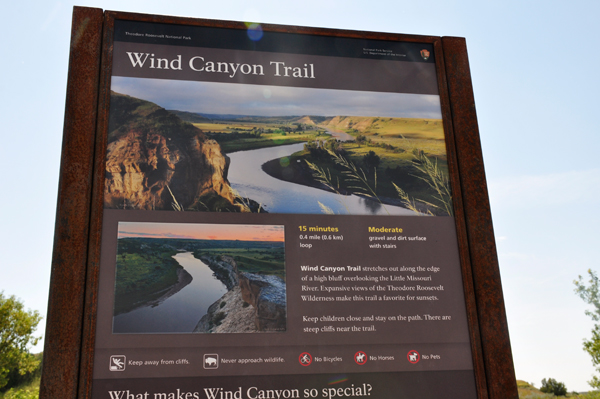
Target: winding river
[[278, 196], [180, 312]]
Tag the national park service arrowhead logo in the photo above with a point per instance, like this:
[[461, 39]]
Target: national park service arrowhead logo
[[425, 54]]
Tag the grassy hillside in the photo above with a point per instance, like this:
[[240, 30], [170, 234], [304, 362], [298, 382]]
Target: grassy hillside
[[190, 117], [408, 127], [528, 391], [425, 134], [145, 270]]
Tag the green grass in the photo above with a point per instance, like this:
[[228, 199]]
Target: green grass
[[394, 170], [29, 390], [144, 272], [212, 202]]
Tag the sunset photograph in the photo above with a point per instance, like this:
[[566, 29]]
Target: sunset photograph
[[199, 278]]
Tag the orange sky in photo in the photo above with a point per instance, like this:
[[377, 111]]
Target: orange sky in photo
[[240, 232]]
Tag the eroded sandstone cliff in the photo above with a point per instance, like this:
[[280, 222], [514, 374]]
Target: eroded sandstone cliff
[[267, 295], [261, 296], [157, 161]]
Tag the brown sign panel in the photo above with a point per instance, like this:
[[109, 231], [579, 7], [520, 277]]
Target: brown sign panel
[[262, 211]]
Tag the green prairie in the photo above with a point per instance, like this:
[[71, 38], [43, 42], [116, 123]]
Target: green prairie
[[262, 260], [245, 135]]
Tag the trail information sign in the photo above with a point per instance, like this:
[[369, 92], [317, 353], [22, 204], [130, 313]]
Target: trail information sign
[[261, 211]]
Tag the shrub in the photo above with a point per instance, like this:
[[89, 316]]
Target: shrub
[[554, 387], [218, 318], [17, 327], [371, 159]]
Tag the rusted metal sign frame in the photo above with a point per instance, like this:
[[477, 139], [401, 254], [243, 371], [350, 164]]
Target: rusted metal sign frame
[[70, 328]]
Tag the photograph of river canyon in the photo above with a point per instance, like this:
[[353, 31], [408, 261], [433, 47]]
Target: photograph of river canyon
[[199, 278], [223, 147]]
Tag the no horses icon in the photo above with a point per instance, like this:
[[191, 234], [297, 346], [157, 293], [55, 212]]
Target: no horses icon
[[360, 358]]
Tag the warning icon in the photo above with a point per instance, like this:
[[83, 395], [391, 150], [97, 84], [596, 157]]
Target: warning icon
[[117, 363]]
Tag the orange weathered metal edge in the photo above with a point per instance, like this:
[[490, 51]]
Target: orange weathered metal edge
[[493, 326], [62, 347]]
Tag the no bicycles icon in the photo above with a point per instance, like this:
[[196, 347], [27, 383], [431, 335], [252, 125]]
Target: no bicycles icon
[[305, 359]]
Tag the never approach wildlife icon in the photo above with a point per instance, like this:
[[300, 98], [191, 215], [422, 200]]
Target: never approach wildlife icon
[[211, 361]]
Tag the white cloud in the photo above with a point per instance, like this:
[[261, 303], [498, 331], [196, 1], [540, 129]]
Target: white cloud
[[243, 99]]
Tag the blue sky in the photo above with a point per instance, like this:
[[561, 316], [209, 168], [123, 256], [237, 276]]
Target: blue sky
[[534, 70]]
